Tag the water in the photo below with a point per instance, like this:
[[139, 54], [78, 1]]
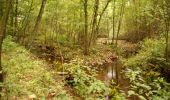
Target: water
[[107, 72], [113, 71]]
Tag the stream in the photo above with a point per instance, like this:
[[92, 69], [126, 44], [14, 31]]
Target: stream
[[106, 72], [113, 71]]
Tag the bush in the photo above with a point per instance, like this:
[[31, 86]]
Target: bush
[[145, 71], [86, 85]]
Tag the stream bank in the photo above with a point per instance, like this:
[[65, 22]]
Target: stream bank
[[107, 65], [102, 58]]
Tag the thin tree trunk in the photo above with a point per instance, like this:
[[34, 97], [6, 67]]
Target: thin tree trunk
[[167, 41], [25, 23], [94, 22], [39, 17], [3, 23], [86, 28], [100, 16], [113, 21], [80, 35], [120, 21], [11, 21], [108, 31], [166, 13], [16, 17], [98, 23]]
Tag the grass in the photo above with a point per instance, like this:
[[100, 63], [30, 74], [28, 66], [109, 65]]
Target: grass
[[26, 75]]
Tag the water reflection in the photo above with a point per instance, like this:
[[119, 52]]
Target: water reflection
[[111, 73], [107, 72]]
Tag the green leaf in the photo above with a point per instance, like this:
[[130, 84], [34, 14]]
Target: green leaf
[[131, 93], [142, 97]]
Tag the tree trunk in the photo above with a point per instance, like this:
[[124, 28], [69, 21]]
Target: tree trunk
[[80, 35], [85, 28], [107, 28], [16, 17], [98, 23], [167, 42], [39, 17], [3, 23], [166, 13], [100, 17], [113, 21], [11, 21], [25, 22], [94, 22], [120, 21]]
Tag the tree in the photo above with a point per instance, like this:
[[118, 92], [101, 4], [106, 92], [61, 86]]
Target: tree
[[166, 13], [39, 17], [94, 22], [5, 9], [25, 23], [99, 20], [100, 16], [85, 28], [120, 20], [16, 17], [113, 21]]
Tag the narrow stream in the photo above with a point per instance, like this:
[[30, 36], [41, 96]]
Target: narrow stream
[[107, 72], [113, 71]]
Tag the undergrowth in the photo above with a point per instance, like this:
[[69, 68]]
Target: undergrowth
[[145, 71], [83, 80], [25, 74]]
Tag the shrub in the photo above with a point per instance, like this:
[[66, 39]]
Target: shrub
[[86, 85], [144, 71]]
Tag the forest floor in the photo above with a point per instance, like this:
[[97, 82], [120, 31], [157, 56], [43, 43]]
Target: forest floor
[[27, 77], [100, 55], [34, 76]]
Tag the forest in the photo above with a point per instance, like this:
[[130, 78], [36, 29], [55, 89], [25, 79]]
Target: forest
[[84, 49]]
